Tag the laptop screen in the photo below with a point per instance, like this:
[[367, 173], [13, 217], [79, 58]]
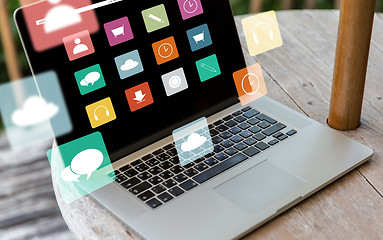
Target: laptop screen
[[148, 68]]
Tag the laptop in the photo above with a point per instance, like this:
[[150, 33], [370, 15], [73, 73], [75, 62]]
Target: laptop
[[266, 158]]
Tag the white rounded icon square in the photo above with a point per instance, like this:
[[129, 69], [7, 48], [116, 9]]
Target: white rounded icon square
[[174, 82]]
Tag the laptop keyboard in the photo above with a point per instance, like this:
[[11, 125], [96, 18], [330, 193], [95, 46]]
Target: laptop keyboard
[[158, 178]]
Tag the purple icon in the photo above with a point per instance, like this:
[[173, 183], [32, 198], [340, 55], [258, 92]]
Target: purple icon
[[190, 8], [118, 31]]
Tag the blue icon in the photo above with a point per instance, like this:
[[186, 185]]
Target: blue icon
[[193, 141], [129, 64], [199, 37]]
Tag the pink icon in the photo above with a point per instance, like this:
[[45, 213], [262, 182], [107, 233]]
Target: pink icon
[[118, 31], [190, 8], [78, 45]]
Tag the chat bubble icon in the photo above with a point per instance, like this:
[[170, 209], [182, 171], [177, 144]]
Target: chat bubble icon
[[68, 176], [90, 78], [86, 162]]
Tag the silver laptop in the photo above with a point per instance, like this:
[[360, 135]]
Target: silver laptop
[[266, 157]]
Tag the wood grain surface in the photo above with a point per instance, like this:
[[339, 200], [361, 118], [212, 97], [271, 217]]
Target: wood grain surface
[[299, 75]]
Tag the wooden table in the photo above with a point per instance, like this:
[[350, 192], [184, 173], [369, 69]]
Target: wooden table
[[299, 75]]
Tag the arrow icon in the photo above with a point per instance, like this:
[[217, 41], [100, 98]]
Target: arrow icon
[[139, 96]]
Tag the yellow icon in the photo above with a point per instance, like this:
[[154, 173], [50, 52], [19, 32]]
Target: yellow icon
[[101, 112], [262, 32]]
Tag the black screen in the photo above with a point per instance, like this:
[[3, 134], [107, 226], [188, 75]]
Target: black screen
[[128, 131]]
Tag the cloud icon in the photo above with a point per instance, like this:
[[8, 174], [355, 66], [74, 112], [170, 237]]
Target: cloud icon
[[194, 141], [129, 65], [34, 111]]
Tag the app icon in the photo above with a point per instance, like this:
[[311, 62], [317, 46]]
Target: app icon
[[190, 8], [101, 112], [262, 32], [199, 37], [174, 82], [155, 18], [118, 31], [193, 141], [81, 166], [90, 79], [129, 64], [139, 96], [78, 45], [165, 50], [250, 84], [208, 68]]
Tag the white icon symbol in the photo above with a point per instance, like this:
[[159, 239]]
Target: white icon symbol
[[167, 50], [80, 47], [139, 96], [90, 78], [193, 142], [155, 18], [35, 110], [95, 110], [190, 6], [175, 82], [271, 34], [85, 162], [251, 78], [60, 17], [199, 37], [129, 65], [207, 67], [118, 31]]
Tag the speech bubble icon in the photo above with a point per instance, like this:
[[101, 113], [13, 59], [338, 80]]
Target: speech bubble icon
[[68, 176], [87, 161], [90, 78]]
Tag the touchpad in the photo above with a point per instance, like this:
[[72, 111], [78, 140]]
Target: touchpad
[[260, 186]]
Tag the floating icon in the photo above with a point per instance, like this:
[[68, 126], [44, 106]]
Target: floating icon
[[174, 82], [129, 64], [101, 112], [208, 68], [139, 96], [155, 18], [60, 17], [190, 8], [118, 31], [271, 34], [90, 79], [193, 142], [165, 50], [78, 45], [199, 37]]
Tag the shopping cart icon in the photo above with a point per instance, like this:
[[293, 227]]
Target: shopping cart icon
[[118, 31], [199, 37]]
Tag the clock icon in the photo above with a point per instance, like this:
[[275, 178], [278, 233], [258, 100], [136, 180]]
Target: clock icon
[[165, 50], [190, 6], [250, 84]]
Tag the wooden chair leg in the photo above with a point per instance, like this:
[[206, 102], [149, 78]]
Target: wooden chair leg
[[337, 4], [287, 4], [310, 4], [255, 6]]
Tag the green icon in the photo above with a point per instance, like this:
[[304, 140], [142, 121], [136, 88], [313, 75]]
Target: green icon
[[90, 79], [208, 68], [81, 166], [155, 18]]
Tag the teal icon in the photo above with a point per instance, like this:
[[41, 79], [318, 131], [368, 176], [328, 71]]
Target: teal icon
[[90, 79], [208, 68], [81, 166]]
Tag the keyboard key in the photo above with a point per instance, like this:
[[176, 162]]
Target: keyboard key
[[175, 160], [155, 180], [264, 125], [236, 139], [246, 134], [214, 132], [176, 191], [291, 132], [251, 151], [219, 168], [168, 147], [144, 176], [209, 155], [240, 119], [137, 162], [131, 183], [152, 162], [276, 128], [216, 140], [189, 165], [180, 178], [156, 170], [166, 165], [240, 146], [177, 169], [142, 167], [218, 148], [237, 113], [221, 156], [211, 126], [146, 195], [124, 168], [147, 157], [273, 142], [244, 125], [120, 178], [163, 157], [158, 189], [227, 118], [131, 173], [227, 144], [166, 175], [154, 203], [231, 151], [283, 137], [172, 152], [158, 152], [262, 146], [251, 113], [165, 197], [189, 184], [201, 167], [169, 183], [222, 128], [235, 130], [278, 134], [255, 129], [140, 188], [259, 137], [225, 135], [191, 172], [211, 161], [246, 109], [263, 117], [217, 123], [250, 141], [253, 121], [231, 123]]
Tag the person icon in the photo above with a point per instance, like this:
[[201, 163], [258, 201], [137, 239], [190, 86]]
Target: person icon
[[80, 47], [60, 17]]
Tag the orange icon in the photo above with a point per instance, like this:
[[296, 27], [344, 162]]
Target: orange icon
[[250, 84], [165, 50]]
